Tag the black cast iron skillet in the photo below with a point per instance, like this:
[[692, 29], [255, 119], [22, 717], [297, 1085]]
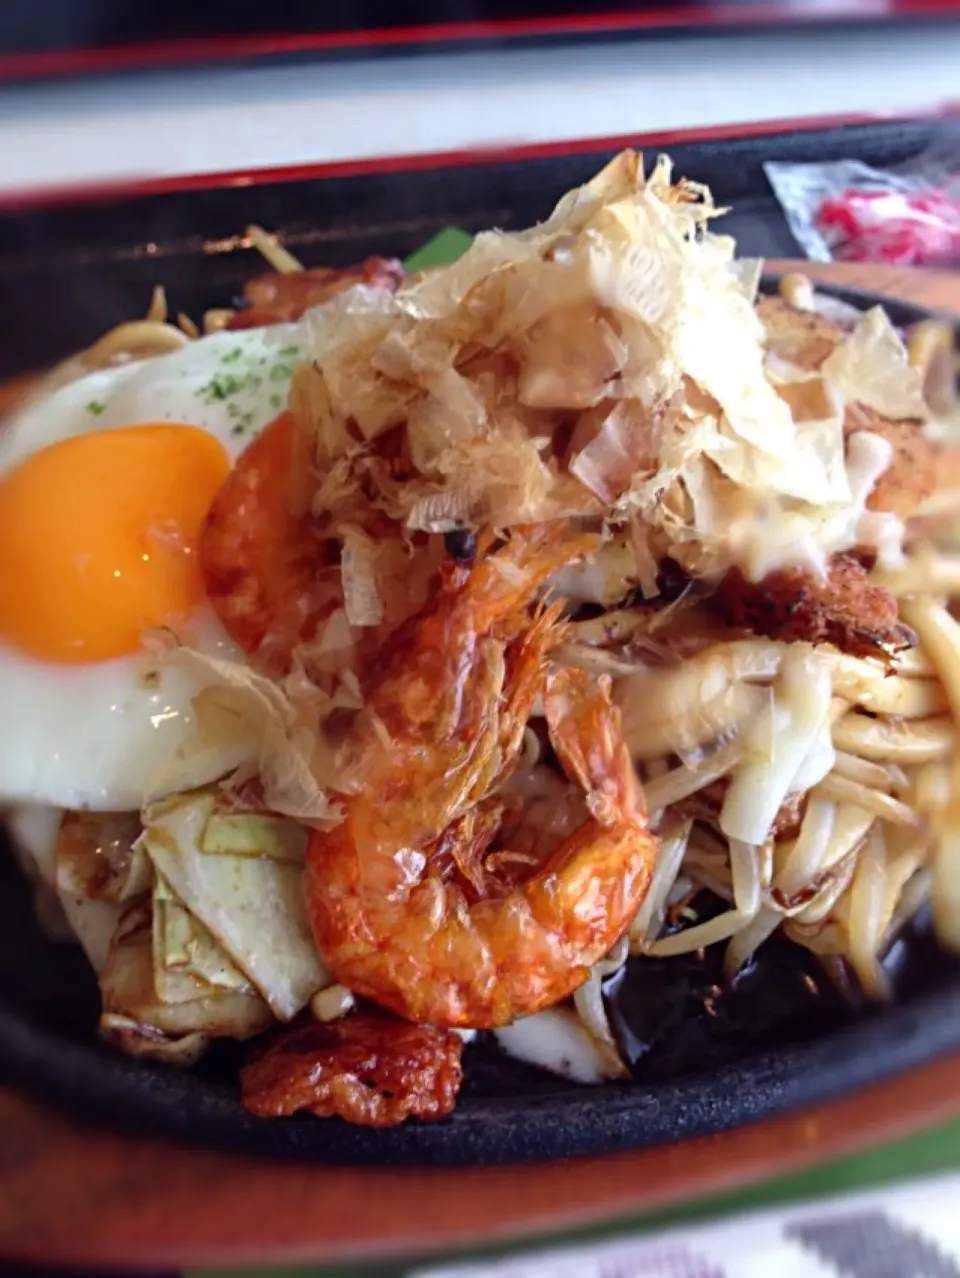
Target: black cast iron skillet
[[783, 1037]]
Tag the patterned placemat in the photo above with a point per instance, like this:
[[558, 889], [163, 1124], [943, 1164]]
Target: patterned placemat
[[903, 1231]]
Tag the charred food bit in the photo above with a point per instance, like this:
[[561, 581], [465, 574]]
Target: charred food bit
[[461, 545]]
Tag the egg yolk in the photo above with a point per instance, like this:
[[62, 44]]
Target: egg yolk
[[98, 539]]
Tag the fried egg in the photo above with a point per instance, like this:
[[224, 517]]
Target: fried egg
[[104, 484]]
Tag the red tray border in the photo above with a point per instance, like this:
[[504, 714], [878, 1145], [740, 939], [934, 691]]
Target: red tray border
[[218, 49], [27, 199]]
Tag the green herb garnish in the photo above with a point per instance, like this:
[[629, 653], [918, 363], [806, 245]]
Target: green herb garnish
[[446, 247], [223, 386]]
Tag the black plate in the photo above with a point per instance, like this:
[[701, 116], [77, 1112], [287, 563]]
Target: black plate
[[766, 1047]]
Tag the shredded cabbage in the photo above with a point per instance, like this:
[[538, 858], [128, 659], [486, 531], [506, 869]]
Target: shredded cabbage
[[141, 1022], [252, 906], [558, 1040], [187, 961], [254, 834]]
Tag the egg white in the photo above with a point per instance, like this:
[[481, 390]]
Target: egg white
[[96, 736], [228, 384]]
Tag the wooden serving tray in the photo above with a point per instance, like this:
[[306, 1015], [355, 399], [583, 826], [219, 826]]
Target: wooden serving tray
[[73, 1195]]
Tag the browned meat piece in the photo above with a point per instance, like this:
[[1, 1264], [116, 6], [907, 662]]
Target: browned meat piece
[[705, 806], [803, 338], [796, 606], [369, 1068], [277, 299]]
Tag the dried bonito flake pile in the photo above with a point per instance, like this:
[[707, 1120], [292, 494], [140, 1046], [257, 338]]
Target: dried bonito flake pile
[[575, 584], [607, 364]]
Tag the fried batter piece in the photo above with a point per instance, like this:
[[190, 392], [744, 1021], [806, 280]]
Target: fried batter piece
[[368, 1068], [796, 606], [803, 338], [277, 299]]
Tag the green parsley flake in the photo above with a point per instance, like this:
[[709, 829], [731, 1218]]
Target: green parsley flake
[[276, 400], [225, 386], [280, 373], [96, 406], [289, 352], [231, 356]]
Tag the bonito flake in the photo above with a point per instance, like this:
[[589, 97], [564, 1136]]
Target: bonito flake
[[573, 370]]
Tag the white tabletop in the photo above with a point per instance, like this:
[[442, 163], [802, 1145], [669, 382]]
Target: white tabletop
[[231, 118]]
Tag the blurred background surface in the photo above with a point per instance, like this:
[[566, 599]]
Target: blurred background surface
[[100, 89]]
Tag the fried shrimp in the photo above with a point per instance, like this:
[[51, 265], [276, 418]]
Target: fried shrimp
[[392, 913], [263, 562]]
